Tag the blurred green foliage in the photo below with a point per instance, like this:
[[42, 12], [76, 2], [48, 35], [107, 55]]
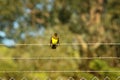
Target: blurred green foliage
[[80, 21]]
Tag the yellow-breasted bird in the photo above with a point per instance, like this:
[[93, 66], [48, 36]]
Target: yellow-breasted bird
[[54, 41]]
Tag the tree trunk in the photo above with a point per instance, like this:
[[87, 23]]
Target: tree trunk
[[96, 12]]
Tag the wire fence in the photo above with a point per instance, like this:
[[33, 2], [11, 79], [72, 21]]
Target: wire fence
[[37, 44], [53, 71], [58, 58]]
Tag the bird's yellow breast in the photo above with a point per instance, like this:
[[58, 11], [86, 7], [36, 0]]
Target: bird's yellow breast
[[54, 41]]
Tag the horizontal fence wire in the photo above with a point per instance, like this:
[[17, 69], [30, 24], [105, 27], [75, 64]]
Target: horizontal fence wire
[[58, 58], [57, 71], [37, 44]]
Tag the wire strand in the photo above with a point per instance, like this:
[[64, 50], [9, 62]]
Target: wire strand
[[29, 44], [56, 71], [59, 58]]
